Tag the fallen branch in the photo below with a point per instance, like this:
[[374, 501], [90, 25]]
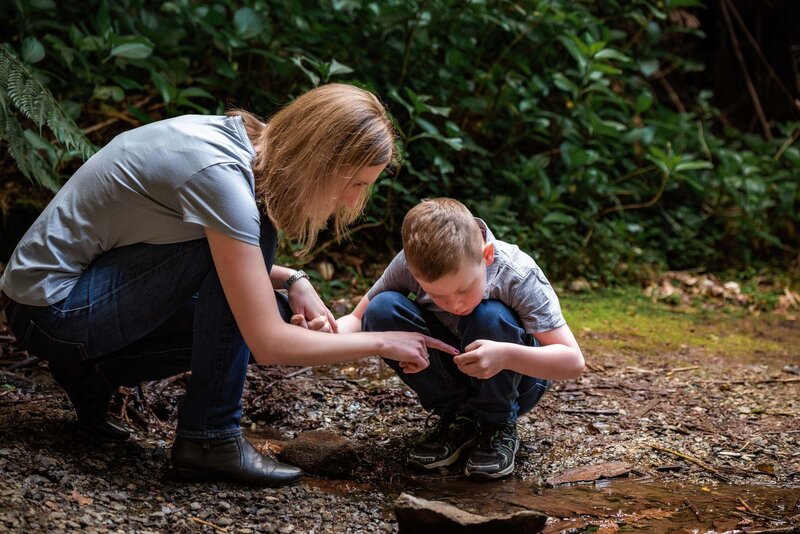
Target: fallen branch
[[25, 401], [590, 412], [693, 460], [649, 406], [24, 363], [745, 74], [206, 523], [689, 504], [682, 369]]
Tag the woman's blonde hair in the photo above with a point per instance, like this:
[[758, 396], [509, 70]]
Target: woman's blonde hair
[[439, 236], [309, 152]]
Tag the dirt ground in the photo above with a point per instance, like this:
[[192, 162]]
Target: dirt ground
[[686, 420]]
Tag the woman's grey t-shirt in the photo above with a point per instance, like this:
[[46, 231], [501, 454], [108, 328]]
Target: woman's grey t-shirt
[[160, 183], [513, 278]]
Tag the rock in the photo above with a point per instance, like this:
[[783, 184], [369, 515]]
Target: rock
[[320, 452], [419, 515]]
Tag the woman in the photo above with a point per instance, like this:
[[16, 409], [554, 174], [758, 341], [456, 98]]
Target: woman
[[156, 258]]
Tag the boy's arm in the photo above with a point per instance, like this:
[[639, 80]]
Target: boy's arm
[[557, 358], [352, 321]]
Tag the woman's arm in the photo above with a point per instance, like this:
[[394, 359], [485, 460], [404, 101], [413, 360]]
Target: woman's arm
[[306, 304], [248, 289]]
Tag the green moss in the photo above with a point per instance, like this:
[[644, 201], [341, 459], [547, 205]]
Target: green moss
[[626, 321]]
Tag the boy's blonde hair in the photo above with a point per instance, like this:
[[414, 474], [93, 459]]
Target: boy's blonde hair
[[309, 151], [439, 235]]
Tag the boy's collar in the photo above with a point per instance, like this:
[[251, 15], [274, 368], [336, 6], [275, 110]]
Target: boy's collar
[[485, 232]]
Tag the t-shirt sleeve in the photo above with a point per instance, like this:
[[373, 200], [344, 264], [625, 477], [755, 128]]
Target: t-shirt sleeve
[[396, 277], [536, 303], [220, 197]]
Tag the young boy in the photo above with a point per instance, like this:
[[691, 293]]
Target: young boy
[[492, 301]]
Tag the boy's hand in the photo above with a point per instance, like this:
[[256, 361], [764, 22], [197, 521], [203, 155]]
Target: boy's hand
[[319, 324], [304, 301], [481, 359]]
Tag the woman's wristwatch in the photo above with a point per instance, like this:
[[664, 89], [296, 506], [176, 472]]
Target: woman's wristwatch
[[294, 278]]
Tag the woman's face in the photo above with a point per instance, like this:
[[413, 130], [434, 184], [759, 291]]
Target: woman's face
[[357, 184]]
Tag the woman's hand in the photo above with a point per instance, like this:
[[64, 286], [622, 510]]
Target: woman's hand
[[309, 309], [411, 349]]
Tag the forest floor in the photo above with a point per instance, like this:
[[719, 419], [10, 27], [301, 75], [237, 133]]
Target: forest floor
[[687, 419]]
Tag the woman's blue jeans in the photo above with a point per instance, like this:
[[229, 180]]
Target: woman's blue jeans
[[146, 312], [441, 387]]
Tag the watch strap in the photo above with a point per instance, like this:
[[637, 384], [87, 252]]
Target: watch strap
[[294, 278]]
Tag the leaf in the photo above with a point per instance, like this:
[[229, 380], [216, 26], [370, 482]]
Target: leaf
[[610, 53], [248, 23], [139, 49], [298, 60], [109, 92], [564, 83], [32, 50], [693, 165], [163, 87], [643, 101], [648, 67], [338, 68], [557, 217]]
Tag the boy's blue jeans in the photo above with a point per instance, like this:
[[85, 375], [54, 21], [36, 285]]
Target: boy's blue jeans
[[441, 387], [146, 312]]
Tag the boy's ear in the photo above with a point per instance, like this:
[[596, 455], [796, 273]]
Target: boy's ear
[[488, 253]]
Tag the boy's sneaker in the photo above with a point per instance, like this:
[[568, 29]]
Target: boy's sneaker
[[452, 434], [493, 456]]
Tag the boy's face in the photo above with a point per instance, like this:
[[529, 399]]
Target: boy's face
[[461, 291]]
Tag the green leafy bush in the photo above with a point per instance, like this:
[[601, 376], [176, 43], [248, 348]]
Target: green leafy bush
[[543, 116]]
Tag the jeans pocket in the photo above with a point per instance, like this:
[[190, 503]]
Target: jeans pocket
[[39, 343]]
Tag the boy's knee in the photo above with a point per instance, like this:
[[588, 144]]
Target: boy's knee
[[382, 311], [491, 311], [493, 320]]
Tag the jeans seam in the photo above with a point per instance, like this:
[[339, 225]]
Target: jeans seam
[[125, 285]]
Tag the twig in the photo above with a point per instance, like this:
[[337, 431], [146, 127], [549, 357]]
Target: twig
[[206, 523], [792, 99], [787, 144], [689, 504], [15, 376], [681, 369], [649, 406], [290, 375], [692, 460], [295, 373], [590, 412], [672, 94], [25, 401], [740, 57], [766, 381], [639, 205], [24, 363], [7, 338]]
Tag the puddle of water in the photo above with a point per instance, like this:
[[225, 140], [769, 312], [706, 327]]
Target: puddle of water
[[651, 506], [623, 504]]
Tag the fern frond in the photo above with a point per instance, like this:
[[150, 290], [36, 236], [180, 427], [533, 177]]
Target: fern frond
[[38, 104], [29, 161]]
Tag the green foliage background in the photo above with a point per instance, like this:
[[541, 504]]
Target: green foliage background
[[543, 116]]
